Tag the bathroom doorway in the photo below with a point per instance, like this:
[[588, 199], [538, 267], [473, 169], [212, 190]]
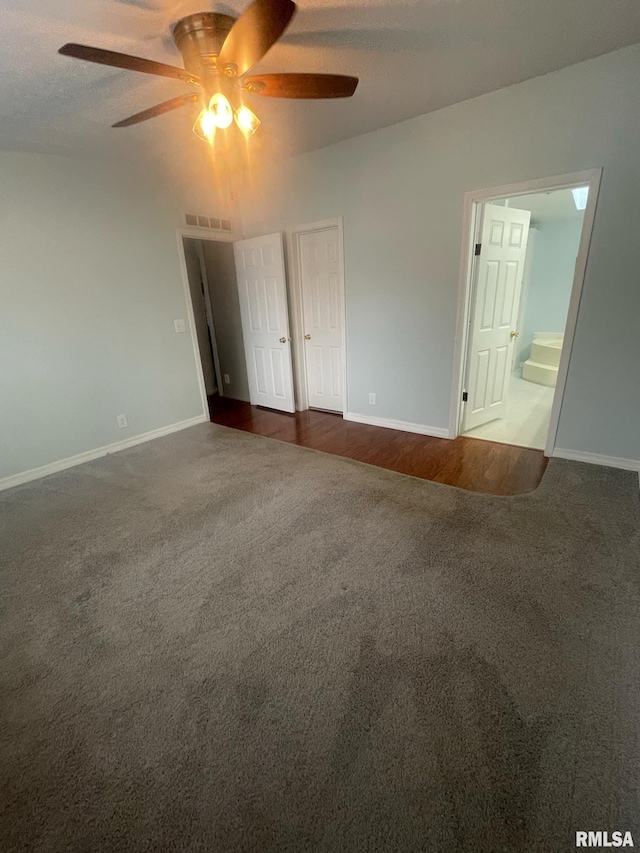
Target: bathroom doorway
[[524, 279]]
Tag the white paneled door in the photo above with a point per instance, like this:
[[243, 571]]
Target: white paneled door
[[323, 315], [262, 291], [494, 311]]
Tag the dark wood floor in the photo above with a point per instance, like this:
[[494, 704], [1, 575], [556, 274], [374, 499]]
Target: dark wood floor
[[470, 463]]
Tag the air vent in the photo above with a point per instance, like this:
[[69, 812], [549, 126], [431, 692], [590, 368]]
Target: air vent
[[211, 223]]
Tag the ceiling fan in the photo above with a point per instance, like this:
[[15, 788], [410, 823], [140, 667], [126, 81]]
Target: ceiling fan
[[217, 52]]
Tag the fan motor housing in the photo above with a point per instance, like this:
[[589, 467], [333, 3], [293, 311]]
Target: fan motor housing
[[199, 38]]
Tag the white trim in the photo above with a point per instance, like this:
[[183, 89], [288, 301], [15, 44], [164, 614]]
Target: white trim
[[471, 221], [403, 426], [574, 305], [597, 459], [207, 234], [87, 456], [297, 317]]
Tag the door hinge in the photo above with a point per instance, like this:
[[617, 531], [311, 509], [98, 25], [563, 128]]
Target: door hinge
[[478, 249], [465, 396]]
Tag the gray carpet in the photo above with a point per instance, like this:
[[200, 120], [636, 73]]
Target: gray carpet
[[219, 642]]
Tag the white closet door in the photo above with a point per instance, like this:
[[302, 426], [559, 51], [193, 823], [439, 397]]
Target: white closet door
[[323, 317], [262, 290]]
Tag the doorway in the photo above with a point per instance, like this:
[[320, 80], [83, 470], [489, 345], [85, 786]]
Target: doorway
[[522, 283], [211, 276]]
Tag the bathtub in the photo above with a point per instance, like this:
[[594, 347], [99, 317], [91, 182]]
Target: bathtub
[[542, 365]]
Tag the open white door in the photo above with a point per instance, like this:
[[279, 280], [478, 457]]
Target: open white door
[[494, 310], [265, 321]]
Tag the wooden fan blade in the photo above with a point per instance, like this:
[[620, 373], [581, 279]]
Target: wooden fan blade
[[123, 60], [301, 85], [255, 31], [159, 109]]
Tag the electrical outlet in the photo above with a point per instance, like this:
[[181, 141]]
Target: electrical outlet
[[179, 326], [372, 398], [227, 381], [122, 421]]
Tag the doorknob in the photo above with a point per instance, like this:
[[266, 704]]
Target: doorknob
[[514, 334], [283, 340], [307, 337]]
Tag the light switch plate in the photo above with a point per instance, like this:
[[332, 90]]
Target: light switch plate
[[179, 326]]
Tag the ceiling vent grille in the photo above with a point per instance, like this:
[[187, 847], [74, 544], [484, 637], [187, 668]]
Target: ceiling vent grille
[[212, 223]]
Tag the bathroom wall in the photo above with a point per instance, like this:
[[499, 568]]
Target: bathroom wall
[[553, 264]]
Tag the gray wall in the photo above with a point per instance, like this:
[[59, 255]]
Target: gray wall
[[192, 250], [223, 289], [400, 191], [90, 285], [553, 268]]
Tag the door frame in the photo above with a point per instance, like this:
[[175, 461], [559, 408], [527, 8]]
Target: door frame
[[471, 226], [294, 278], [197, 234]]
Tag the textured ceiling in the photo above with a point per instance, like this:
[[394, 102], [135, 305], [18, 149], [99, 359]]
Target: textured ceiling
[[412, 56]]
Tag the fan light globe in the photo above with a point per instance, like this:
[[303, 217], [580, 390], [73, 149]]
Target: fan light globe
[[205, 126], [247, 121], [220, 109], [218, 114]]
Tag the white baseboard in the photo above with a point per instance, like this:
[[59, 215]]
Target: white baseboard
[[597, 459], [87, 456], [403, 426]]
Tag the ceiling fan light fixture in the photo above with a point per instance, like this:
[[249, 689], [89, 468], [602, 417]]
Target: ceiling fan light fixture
[[247, 121], [218, 51], [220, 109]]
